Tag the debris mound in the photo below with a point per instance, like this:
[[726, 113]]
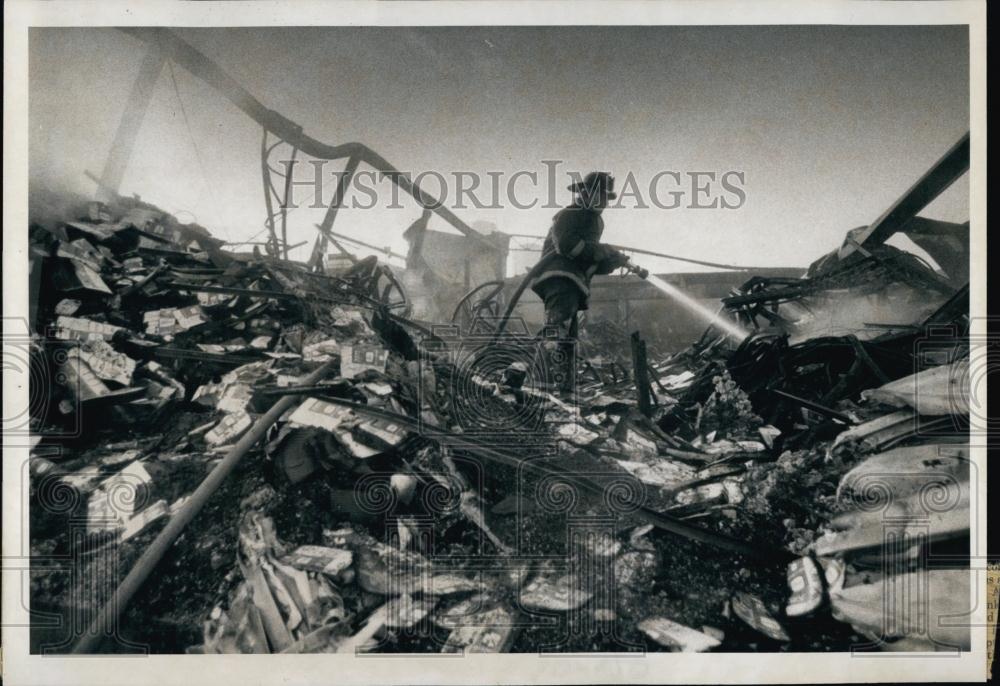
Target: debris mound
[[430, 494]]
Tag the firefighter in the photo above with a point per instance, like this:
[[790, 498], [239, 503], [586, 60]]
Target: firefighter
[[572, 255]]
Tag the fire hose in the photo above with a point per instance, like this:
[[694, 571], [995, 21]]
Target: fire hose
[[534, 272]]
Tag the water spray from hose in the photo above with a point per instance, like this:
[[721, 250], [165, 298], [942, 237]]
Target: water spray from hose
[[730, 327], [698, 309]]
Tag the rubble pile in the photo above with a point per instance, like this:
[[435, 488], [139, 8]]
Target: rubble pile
[[858, 432], [430, 495]]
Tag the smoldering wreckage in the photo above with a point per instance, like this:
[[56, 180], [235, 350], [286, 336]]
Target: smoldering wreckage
[[247, 454]]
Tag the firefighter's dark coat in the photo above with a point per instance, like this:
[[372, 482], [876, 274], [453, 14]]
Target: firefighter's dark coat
[[574, 240]]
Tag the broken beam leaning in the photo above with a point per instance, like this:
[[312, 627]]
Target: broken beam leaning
[[945, 171], [131, 121], [144, 566]]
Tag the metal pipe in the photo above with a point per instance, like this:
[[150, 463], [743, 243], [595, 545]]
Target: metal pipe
[[265, 171], [385, 251], [284, 203], [343, 184], [144, 566]]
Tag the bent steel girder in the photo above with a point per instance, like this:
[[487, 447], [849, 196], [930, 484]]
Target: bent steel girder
[[184, 54]]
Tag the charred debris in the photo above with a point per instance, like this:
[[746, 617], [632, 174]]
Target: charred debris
[[385, 485]]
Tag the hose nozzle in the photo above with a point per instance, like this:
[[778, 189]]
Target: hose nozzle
[[637, 270]]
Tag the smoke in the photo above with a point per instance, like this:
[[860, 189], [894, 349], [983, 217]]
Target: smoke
[[843, 312], [54, 197]]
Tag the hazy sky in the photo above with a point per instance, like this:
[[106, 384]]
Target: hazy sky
[[829, 125]]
